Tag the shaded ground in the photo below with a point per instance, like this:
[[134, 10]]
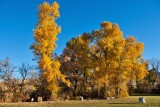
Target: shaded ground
[[132, 101]]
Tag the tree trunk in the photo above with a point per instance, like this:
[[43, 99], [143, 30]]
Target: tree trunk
[[130, 88], [75, 88]]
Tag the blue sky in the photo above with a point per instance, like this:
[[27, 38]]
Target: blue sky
[[139, 18]]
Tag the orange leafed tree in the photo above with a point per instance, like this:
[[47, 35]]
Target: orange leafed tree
[[45, 36]]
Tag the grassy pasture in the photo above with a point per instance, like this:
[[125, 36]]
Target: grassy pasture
[[131, 101]]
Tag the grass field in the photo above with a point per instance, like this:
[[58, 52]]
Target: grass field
[[132, 101]]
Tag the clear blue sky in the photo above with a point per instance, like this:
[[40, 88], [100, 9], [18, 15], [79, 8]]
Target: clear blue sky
[[140, 18]]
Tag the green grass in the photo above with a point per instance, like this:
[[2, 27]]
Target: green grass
[[132, 101]]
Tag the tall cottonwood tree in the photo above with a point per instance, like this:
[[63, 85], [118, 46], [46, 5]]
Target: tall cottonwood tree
[[116, 58], [45, 36], [109, 50], [76, 63]]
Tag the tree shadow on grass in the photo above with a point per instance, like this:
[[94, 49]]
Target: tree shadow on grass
[[123, 103]]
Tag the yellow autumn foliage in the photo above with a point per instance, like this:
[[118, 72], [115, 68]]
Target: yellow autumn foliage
[[119, 58], [45, 36]]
